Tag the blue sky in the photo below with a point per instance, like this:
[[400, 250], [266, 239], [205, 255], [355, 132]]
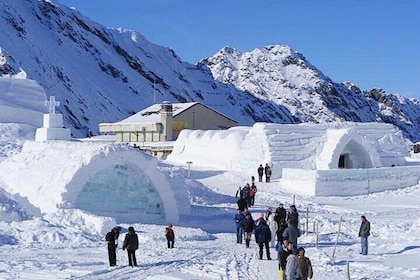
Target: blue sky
[[372, 43]]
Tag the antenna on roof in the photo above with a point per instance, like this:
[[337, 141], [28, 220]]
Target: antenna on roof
[[154, 92]]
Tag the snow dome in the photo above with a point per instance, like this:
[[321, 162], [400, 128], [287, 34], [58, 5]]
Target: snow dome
[[103, 179]]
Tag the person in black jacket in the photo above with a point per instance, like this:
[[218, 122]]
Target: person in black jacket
[[263, 237], [260, 171], [242, 204], [280, 216], [112, 239], [284, 251], [293, 216], [248, 226], [131, 243]]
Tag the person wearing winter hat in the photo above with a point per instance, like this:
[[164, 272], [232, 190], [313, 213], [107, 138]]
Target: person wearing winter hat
[[131, 243], [305, 271], [263, 237], [112, 239], [170, 236]]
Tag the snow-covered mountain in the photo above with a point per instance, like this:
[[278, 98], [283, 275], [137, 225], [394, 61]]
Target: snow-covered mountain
[[105, 75]]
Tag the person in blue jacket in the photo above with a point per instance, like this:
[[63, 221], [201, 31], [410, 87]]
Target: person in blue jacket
[[263, 237], [239, 216]]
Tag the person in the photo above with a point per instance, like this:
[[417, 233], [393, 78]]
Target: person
[[248, 226], [273, 228], [263, 237], [89, 133], [112, 238], [280, 217], [364, 233], [268, 213], [246, 194], [260, 171], [252, 194], [242, 204], [284, 251], [267, 170], [239, 192], [291, 233], [293, 216], [291, 267], [305, 271], [238, 218], [131, 243], [252, 180], [170, 236], [246, 212]]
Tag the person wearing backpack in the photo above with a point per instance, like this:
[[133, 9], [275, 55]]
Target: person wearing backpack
[[112, 239]]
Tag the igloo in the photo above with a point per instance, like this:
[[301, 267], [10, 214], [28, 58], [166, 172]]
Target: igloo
[[316, 159], [112, 180]]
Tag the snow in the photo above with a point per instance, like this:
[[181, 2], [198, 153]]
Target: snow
[[41, 239]]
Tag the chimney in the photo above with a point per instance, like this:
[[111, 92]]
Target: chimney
[[166, 120]]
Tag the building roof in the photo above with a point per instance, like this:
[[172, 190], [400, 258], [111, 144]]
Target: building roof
[[151, 114]]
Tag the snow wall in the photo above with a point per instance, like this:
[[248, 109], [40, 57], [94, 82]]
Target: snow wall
[[348, 182], [112, 180], [299, 146]]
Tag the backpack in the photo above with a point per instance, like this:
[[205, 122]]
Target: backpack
[[109, 236]]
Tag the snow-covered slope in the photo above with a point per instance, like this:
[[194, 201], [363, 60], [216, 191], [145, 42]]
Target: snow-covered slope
[[69, 243], [105, 75]]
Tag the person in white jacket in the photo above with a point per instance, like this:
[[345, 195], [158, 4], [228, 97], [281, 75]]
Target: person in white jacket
[[273, 227], [291, 267]]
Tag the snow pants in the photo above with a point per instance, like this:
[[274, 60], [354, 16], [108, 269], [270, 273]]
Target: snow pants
[[112, 256], [267, 249], [171, 243], [132, 258]]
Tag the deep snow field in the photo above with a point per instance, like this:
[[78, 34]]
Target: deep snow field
[[63, 246]]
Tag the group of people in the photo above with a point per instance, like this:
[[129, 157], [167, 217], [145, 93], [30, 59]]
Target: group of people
[[293, 266], [264, 170], [131, 243], [245, 225], [246, 195], [279, 225]]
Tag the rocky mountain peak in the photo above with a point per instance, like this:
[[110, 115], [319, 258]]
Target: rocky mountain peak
[[105, 75]]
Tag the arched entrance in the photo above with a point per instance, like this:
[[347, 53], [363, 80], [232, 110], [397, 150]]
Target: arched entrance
[[354, 155], [121, 191]]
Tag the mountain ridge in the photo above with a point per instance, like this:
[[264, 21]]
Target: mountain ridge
[[105, 75]]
